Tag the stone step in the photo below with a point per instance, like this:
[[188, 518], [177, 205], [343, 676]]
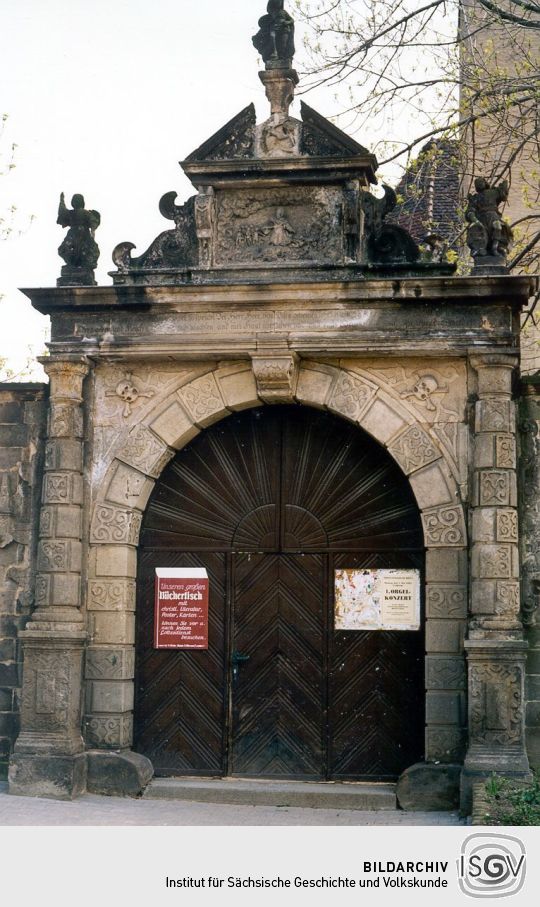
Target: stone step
[[314, 795]]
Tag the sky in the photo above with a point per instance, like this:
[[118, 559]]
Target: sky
[[105, 97]]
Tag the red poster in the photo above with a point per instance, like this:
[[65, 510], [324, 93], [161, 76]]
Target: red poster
[[181, 609]]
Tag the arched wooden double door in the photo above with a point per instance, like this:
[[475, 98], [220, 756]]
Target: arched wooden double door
[[272, 501]]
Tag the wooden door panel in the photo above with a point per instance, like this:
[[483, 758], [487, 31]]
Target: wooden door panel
[[303, 486], [221, 491], [352, 489], [181, 695], [278, 694], [376, 691]]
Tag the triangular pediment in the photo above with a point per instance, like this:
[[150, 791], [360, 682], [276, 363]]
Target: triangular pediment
[[320, 138], [237, 139], [234, 140]]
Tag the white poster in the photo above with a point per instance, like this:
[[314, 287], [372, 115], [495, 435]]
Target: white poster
[[377, 599]]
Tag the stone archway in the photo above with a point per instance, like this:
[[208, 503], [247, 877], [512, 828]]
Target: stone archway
[[272, 502], [169, 424]]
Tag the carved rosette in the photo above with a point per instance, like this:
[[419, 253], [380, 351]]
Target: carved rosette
[[276, 376]]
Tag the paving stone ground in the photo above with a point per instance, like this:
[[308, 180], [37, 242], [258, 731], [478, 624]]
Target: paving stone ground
[[94, 810]]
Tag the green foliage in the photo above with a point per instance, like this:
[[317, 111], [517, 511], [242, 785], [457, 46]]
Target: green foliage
[[443, 70], [512, 802]]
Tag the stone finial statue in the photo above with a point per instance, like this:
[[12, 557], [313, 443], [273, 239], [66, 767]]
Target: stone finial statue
[[488, 237], [79, 248], [275, 38]]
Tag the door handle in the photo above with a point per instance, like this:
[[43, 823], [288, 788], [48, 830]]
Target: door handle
[[238, 659]]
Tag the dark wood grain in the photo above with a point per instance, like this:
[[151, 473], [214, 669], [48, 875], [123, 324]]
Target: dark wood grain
[[271, 502]]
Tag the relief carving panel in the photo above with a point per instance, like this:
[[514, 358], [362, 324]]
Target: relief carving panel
[[56, 488], [444, 744], [437, 391], [351, 396], [493, 561], [42, 593], [444, 527], [446, 600], [202, 399], [414, 449], [495, 414], [145, 451], [109, 732], [494, 487], [46, 523], [445, 673], [46, 689], [124, 393], [275, 225], [111, 595], [110, 664], [54, 556], [507, 601], [115, 526], [507, 526], [496, 707], [505, 446]]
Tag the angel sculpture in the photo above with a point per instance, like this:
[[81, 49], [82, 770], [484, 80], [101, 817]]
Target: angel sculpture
[[488, 234], [79, 248]]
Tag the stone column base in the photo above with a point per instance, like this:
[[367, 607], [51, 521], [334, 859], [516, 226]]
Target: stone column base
[[55, 777], [113, 774]]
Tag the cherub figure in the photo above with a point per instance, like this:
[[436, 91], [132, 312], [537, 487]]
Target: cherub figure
[[79, 248], [488, 234], [275, 38]]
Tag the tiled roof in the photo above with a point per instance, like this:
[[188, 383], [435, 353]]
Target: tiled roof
[[429, 193]]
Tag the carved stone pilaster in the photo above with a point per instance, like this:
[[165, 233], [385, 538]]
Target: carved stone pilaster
[[49, 753], [276, 374], [495, 648], [496, 711], [495, 602]]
